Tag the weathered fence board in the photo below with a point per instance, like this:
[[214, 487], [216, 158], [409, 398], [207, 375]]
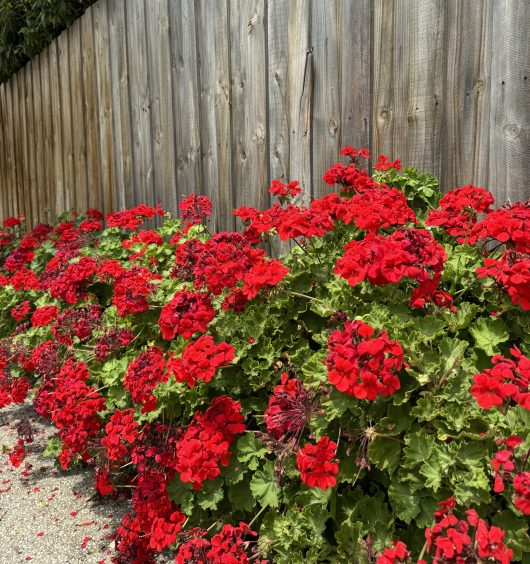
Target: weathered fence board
[[146, 101]]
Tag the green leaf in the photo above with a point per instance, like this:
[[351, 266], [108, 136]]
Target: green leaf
[[53, 447], [403, 501], [264, 486], [249, 451], [211, 493], [181, 494], [385, 453], [240, 496], [516, 535], [489, 333], [418, 449]]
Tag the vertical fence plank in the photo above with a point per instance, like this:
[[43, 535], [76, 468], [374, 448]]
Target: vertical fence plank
[[139, 92], [356, 80], [123, 177], [290, 89], [11, 142], [159, 62], [22, 151], [89, 31], [214, 52], [65, 121], [30, 141], [106, 135], [51, 111], [249, 102], [184, 67], [40, 161], [4, 164], [325, 40], [510, 101], [77, 124], [409, 81], [467, 100]]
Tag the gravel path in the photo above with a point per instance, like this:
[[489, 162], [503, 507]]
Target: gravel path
[[48, 516]]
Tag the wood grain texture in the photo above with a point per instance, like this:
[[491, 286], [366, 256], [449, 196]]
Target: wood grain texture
[[65, 122], [89, 32], [326, 122], [215, 109], [51, 111], [78, 123], [355, 73], [41, 163], [467, 99], [104, 78], [121, 111], [409, 81], [185, 77], [160, 90], [5, 185], [510, 101], [290, 90], [31, 185], [249, 102], [140, 102]]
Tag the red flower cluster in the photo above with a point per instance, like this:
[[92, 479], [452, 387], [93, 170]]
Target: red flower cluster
[[44, 315], [131, 289], [451, 540], [221, 262], [112, 341], [290, 409], [408, 253], [521, 485], [12, 390], [120, 432], [143, 375], [506, 380], [226, 547], [509, 224], [351, 178], [186, 313], [512, 273], [76, 322], [200, 360], [503, 462], [13, 221], [284, 192], [206, 443], [361, 365], [74, 406], [458, 210], [266, 274], [316, 464], [71, 284], [384, 163], [134, 217], [21, 310], [397, 555], [194, 208]]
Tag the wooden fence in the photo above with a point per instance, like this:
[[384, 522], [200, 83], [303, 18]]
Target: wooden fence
[[149, 100]]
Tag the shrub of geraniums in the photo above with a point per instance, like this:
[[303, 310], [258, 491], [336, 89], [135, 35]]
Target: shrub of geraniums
[[365, 397]]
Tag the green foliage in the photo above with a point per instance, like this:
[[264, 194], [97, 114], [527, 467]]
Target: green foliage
[[28, 26]]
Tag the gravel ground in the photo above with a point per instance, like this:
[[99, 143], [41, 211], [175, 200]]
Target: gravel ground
[[48, 516]]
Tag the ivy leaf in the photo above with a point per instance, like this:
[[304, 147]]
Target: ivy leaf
[[264, 486], [489, 333]]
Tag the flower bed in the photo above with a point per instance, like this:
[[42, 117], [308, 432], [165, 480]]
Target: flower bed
[[363, 398]]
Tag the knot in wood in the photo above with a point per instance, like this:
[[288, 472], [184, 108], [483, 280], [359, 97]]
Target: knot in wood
[[511, 130], [333, 127]]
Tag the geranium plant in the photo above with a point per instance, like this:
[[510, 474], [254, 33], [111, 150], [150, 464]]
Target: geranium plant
[[363, 398]]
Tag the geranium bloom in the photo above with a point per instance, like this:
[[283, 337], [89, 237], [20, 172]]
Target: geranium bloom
[[194, 208], [316, 464], [186, 313], [200, 360], [265, 274], [521, 485], [395, 555], [284, 191], [383, 163], [361, 365], [20, 311], [44, 315], [206, 443], [134, 217], [120, 432]]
